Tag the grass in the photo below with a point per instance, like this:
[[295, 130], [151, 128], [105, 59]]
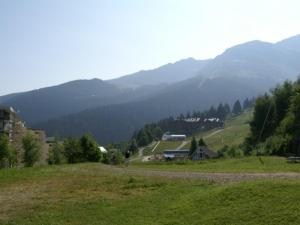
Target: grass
[[167, 145], [92, 194], [233, 134], [237, 165]]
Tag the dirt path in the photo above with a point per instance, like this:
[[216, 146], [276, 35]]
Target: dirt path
[[184, 143], [156, 146], [216, 177]]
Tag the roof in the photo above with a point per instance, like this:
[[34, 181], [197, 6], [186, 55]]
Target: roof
[[207, 151], [102, 149]]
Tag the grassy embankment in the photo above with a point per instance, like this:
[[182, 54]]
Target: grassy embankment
[[233, 134], [93, 194]]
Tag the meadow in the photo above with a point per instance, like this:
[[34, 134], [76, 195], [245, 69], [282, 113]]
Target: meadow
[[94, 194]]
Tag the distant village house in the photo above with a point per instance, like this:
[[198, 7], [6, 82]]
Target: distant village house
[[173, 137]]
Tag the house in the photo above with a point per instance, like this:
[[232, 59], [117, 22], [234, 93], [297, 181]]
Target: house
[[176, 154], [173, 137], [202, 152], [102, 149]]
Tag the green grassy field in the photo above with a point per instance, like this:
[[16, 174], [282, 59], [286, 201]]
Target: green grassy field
[[250, 164], [167, 145], [233, 134], [93, 194]]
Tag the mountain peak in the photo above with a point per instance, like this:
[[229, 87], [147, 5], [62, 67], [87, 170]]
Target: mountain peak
[[292, 43]]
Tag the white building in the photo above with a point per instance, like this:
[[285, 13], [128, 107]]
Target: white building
[[173, 137]]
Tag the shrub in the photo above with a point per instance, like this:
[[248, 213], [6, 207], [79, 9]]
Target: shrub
[[32, 149], [230, 152], [73, 151], [90, 149], [56, 154]]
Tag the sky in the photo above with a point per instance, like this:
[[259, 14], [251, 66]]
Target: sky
[[48, 42]]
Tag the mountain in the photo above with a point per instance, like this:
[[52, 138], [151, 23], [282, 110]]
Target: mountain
[[5, 98], [292, 43], [52, 102], [112, 110], [168, 74], [242, 71], [118, 122]]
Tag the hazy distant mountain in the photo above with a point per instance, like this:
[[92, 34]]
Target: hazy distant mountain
[[43, 104], [167, 74], [48, 103], [114, 109], [118, 122], [241, 71], [292, 43], [8, 97]]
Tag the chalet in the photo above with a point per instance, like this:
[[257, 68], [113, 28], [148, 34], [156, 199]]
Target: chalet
[[102, 150], [176, 154], [202, 152], [173, 137]]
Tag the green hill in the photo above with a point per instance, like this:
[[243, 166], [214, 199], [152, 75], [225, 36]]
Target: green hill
[[233, 134]]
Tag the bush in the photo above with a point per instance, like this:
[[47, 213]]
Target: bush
[[7, 152], [230, 152], [90, 149], [113, 156], [32, 149], [56, 154], [73, 151]]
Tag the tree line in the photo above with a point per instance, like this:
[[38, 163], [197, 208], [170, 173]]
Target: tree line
[[154, 131], [275, 128], [69, 150]]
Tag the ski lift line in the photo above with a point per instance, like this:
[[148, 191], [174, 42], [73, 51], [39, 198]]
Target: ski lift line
[[264, 124], [261, 132]]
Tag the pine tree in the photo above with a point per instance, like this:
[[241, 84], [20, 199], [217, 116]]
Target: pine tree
[[133, 147], [237, 108], [212, 112], [221, 112], [193, 146], [201, 142], [227, 109], [246, 104]]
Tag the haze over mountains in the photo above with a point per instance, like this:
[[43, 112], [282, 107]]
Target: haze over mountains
[[112, 110]]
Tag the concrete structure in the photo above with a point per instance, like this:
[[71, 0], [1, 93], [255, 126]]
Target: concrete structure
[[173, 137], [9, 122]]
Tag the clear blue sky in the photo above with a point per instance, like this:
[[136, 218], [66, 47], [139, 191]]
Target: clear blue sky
[[47, 42]]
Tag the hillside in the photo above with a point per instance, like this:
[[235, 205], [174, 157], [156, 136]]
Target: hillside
[[235, 131], [97, 194]]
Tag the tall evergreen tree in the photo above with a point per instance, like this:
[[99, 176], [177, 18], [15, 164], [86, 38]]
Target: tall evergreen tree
[[201, 142], [133, 147], [221, 112], [212, 112], [237, 108], [227, 109], [193, 146], [246, 104]]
